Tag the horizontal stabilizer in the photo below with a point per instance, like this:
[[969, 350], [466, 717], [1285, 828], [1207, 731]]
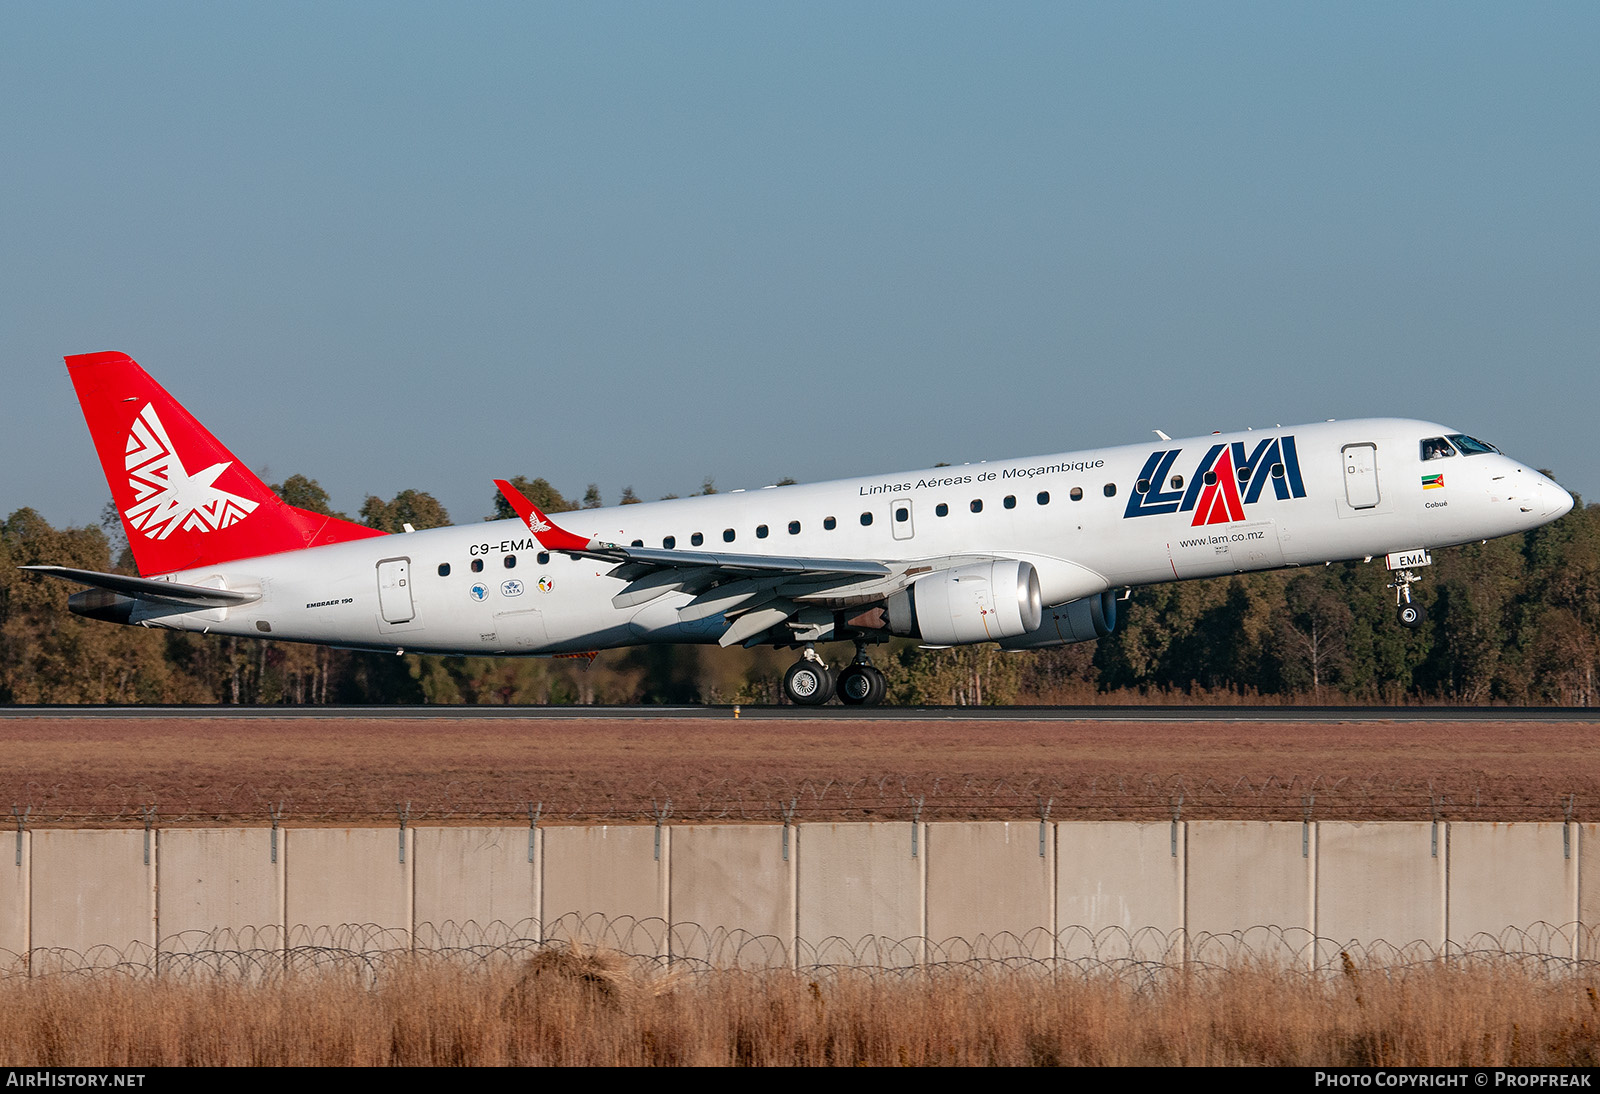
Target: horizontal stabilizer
[[194, 597]]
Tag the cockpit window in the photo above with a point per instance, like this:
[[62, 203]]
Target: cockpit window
[[1471, 446], [1436, 448]]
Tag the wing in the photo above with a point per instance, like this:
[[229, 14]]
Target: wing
[[756, 593]]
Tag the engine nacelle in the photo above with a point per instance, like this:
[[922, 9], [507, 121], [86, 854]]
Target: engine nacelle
[[980, 602], [1079, 621]]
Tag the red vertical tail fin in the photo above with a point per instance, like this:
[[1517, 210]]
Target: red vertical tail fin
[[185, 500]]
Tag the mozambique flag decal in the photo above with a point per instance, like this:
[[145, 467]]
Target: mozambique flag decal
[[1433, 482]]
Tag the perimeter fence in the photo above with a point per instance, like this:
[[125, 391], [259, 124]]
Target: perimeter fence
[[1143, 957]]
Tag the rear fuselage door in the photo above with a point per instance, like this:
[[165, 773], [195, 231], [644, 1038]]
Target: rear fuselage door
[[1361, 475], [394, 590]]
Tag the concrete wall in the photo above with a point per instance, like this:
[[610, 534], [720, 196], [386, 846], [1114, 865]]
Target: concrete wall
[[1120, 890], [476, 886], [731, 894], [990, 889], [350, 888], [1513, 887], [607, 885], [1381, 886], [219, 889], [91, 890], [885, 894], [862, 894], [1250, 887]]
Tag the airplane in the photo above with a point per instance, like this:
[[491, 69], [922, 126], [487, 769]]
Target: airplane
[[1028, 553]]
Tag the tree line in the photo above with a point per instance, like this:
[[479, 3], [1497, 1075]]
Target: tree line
[[1514, 620]]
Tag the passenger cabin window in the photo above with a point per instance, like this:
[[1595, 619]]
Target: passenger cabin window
[[941, 510], [1277, 470], [727, 535], [1011, 501], [761, 531], [829, 523], [1437, 448], [1111, 489], [444, 569], [1043, 497], [1210, 478], [1142, 486], [1077, 493], [543, 557], [866, 519], [637, 543], [902, 514], [1177, 482], [670, 542], [697, 539], [977, 505], [1244, 473], [477, 565], [510, 562], [794, 528]]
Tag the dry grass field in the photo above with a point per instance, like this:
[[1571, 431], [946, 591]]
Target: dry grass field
[[207, 770], [594, 1009]]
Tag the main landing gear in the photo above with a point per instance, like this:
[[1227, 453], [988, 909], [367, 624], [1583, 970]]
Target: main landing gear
[[810, 683], [1410, 612]]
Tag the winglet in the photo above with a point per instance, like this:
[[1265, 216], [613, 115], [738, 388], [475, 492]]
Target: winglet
[[542, 527]]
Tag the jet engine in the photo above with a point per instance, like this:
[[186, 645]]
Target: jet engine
[[1077, 621], [979, 602]]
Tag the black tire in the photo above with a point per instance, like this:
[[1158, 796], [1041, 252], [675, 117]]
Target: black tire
[[880, 687], [808, 684], [1412, 615], [857, 684]]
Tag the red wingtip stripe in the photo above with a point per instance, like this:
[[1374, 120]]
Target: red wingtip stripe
[[543, 528]]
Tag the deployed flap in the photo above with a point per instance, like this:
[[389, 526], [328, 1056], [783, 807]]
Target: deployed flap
[[143, 588]]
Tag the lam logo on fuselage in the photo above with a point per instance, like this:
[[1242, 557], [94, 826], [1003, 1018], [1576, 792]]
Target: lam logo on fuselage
[[1226, 480]]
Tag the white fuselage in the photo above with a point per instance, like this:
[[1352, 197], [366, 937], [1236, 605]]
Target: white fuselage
[[1335, 490]]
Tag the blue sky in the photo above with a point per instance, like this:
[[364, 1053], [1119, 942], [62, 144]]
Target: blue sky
[[401, 245]]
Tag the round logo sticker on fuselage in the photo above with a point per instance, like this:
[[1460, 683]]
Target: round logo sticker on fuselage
[[480, 591]]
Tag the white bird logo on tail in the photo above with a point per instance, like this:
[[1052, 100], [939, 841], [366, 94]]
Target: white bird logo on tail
[[167, 498]]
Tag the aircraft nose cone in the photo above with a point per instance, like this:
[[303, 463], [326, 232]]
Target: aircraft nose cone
[[1559, 501]]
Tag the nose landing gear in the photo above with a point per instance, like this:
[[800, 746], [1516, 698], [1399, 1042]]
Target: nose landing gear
[[1410, 612]]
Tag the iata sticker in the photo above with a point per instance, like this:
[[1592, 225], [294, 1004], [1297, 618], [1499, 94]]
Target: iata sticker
[[512, 587]]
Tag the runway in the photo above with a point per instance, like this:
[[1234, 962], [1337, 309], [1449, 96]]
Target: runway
[[1282, 715]]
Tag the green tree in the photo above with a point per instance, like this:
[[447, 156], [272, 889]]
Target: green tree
[[413, 507], [1313, 633], [307, 494], [591, 497]]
